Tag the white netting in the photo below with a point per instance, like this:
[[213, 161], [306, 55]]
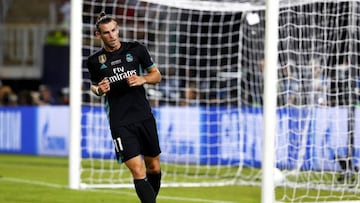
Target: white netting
[[209, 103]]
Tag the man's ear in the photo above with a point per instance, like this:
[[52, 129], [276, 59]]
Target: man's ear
[[97, 34]]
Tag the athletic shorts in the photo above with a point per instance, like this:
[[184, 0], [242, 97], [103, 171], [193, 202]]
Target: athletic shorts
[[135, 139]]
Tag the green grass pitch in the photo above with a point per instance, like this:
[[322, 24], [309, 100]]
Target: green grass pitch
[[38, 179]]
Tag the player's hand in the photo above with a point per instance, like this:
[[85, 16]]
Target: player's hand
[[104, 86], [135, 80]]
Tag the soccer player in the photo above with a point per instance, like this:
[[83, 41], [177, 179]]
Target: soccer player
[[116, 71]]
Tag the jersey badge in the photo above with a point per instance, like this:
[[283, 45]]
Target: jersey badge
[[129, 58], [102, 58]]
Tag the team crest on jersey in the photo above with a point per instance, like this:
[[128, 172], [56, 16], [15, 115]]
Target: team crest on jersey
[[102, 58], [129, 58]]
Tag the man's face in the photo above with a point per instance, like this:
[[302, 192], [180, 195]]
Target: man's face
[[109, 34]]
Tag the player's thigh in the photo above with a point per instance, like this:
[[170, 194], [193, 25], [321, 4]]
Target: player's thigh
[[126, 142], [136, 167], [152, 164], [149, 137]]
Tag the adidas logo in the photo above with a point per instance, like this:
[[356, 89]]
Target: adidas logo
[[103, 66]]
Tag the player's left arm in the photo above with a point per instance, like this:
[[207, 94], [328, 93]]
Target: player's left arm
[[153, 76]]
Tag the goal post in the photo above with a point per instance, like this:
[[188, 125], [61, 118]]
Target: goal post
[[245, 99], [270, 92], [75, 94]]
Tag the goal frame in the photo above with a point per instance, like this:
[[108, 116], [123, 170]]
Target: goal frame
[[270, 88], [269, 92]]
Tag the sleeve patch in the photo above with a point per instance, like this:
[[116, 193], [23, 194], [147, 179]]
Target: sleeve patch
[[150, 67]]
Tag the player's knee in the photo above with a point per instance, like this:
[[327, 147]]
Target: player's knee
[[138, 172], [153, 168], [152, 165]]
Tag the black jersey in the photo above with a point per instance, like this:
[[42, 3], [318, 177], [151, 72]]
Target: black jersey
[[124, 104]]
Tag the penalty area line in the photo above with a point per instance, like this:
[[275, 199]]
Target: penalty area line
[[53, 185]]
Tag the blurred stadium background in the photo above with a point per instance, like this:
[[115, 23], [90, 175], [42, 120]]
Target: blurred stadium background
[[34, 44]]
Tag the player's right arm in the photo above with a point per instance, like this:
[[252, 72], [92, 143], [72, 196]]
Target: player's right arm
[[101, 88], [98, 88]]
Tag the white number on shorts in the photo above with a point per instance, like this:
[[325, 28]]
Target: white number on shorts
[[118, 144]]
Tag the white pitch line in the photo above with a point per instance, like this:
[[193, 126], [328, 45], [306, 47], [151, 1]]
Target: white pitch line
[[32, 182], [193, 199], [53, 185]]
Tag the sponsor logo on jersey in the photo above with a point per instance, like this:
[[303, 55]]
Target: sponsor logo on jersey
[[121, 75], [113, 63], [102, 58], [129, 58]]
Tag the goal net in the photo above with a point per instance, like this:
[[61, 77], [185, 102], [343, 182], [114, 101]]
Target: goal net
[[209, 104]]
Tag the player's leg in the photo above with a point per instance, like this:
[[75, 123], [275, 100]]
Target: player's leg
[[136, 167], [153, 172], [151, 152], [128, 150], [143, 188]]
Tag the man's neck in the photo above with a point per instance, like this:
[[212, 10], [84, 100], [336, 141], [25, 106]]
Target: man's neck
[[112, 49]]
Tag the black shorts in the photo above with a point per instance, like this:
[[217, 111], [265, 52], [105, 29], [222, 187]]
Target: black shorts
[[136, 139]]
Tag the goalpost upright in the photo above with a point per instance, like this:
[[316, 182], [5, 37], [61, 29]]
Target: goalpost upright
[[270, 106], [75, 94]]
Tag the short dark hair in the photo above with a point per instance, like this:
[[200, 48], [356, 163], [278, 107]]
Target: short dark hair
[[103, 19]]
